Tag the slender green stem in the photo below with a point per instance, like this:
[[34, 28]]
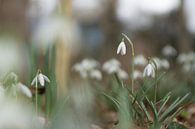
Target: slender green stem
[[155, 90], [132, 64], [36, 98]]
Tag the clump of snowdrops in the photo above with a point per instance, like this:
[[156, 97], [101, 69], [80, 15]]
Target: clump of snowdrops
[[131, 101]]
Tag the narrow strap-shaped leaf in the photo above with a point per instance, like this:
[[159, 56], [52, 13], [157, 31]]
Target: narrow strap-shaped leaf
[[172, 107], [145, 111], [115, 101], [163, 105]]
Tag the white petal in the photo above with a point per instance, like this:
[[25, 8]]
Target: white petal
[[34, 81], [25, 90], [121, 48], [46, 78], [41, 79]]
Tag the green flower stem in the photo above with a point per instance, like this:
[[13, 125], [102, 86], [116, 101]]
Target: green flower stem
[[155, 90], [36, 98], [132, 64]]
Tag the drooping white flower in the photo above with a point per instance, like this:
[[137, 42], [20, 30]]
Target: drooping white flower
[[41, 79], [149, 71], [121, 48], [111, 66], [24, 89], [140, 60], [96, 74], [161, 63], [137, 74], [169, 51], [122, 74], [88, 68], [165, 64]]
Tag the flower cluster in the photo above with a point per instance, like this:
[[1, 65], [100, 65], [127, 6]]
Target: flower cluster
[[187, 60], [88, 68], [114, 66]]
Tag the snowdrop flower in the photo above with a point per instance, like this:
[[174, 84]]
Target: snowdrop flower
[[88, 68], [122, 74], [182, 58], [41, 79], [140, 60], [165, 64], [121, 48], [137, 74], [161, 63], [149, 71], [24, 89], [169, 51], [96, 74], [111, 66]]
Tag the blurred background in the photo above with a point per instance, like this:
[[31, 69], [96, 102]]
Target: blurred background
[[53, 35], [89, 28]]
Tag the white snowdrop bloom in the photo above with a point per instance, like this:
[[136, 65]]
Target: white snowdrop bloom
[[137, 74], [165, 64], [14, 115], [149, 71], [191, 56], [88, 68], [182, 58], [122, 74], [89, 64], [41, 79], [24, 89], [169, 51], [96, 74], [111, 66], [121, 48], [158, 62], [140, 60]]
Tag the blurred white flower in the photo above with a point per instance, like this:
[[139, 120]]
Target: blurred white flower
[[140, 60], [15, 115], [187, 60], [182, 58], [165, 64], [53, 29], [137, 74], [111, 66], [149, 71], [41, 79], [186, 57], [88, 68], [122, 74], [161, 63], [121, 48], [169, 51], [24, 89], [96, 74], [12, 57]]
